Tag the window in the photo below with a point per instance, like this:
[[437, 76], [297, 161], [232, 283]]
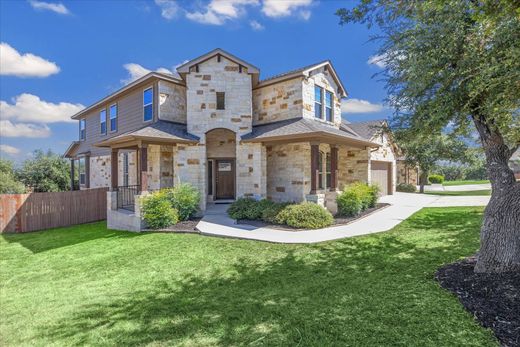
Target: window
[[113, 117], [82, 170], [148, 105], [221, 101], [82, 131], [328, 106], [103, 121], [318, 103], [210, 177], [328, 176], [320, 170], [125, 169]]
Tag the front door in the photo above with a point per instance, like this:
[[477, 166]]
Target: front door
[[225, 179]]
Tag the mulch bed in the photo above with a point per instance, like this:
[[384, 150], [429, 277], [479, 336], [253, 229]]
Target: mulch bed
[[493, 299], [338, 220], [186, 226]]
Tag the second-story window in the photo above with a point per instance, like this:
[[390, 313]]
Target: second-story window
[[103, 121], [113, 117], [148, 105], [221, 101], [318, 102], [82, 131], [328, 106]]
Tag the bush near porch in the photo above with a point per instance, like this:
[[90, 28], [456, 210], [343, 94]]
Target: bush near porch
[[356, 198], [303, 215]]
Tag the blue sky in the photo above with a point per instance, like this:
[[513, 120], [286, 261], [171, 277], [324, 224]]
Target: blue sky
[[58, 57]]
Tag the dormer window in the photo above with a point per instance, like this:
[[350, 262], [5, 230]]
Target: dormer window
[[318, 102], [221, 101], [329, 115], [82, 131]]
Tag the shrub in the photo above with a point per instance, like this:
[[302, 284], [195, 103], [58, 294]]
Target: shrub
[[243, 208], [349, 203], [184, 198], [271, 214], [435, 179], [306, 215], [157, 211], [406, 188], [373, 191], [362, 190]]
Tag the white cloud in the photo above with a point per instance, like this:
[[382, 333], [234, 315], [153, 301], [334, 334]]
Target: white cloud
[[284, 8], [217, 12], [359, 106], [50, 6], [255, 25], [9, 129], [24, 65], [30, 108], [136, 71], [9, 149], [169, 8], [377, 60]]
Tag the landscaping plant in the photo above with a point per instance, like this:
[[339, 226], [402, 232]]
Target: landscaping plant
[[436, 179], [406, 188], [271, 214], [184, 198], [349, 203], [243, 208], [157, 211], [306, 215]]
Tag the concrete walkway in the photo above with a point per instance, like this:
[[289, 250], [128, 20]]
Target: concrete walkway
[[461, 188], [217, 223]]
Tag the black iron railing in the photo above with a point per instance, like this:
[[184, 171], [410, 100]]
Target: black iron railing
[[126, 197]]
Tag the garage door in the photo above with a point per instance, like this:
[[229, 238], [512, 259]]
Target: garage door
[[380, 174]]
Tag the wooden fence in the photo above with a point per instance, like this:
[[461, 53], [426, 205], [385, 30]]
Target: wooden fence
[[21, 213]]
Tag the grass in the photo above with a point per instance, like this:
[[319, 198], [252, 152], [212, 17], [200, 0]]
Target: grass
[[462, 183], [461, 193], [87, 285]]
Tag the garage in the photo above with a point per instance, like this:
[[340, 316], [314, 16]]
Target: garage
[[381, 174]]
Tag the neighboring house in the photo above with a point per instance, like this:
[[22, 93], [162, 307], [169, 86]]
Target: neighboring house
[[514, 163], [230, 134]]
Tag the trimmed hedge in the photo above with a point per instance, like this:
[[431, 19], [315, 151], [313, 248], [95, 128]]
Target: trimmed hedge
[[306, 215], [406, 188], [157, 211], [271, 214], [436, 179], [357, 197]]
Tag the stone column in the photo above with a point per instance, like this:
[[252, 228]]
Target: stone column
[[114, 172], [72, 174], [143, 167], [333, 167], [315, 152]]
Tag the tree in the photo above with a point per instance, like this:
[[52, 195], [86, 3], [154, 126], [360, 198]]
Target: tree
[[456, 65], [8, 182], [426, 152], [45, 172]]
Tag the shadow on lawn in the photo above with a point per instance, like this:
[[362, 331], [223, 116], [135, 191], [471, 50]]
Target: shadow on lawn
[[364, 291], [63, 237]]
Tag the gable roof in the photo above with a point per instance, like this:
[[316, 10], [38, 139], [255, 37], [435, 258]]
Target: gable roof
[[305, 72], [302, 128], [159, 131], [148, 77], [367, 129], [185, 68]]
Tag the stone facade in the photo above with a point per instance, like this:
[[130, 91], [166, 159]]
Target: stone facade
[[172, 102], [407, 174], [385, 153], [353, 165], [276, 102]]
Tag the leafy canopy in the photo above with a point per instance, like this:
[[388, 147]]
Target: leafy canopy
[[45, 172]]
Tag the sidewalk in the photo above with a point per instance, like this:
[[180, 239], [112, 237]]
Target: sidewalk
[[217, 223]]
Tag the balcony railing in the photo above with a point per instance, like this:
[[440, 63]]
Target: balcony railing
[[126, 197]]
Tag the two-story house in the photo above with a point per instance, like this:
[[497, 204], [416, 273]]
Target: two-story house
[[230, 134]]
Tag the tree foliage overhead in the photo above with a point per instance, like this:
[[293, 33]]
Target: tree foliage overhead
[[447, 62], [45, 172], [8, 182]]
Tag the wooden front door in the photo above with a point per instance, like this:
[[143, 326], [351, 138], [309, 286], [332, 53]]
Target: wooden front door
[[225, 179]]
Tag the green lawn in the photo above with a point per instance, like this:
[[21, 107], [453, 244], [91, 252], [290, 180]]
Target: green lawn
[[462, 183], [87, 285], [461, 193]]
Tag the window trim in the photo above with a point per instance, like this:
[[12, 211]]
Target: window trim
[[331, 106], [318, 103], [223, 100], [116, 117], [151, 103], [100, 122], [80, 169], [84, 122]]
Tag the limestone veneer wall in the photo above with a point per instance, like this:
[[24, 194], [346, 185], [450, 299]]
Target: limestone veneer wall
[[190, 167], [411, 177], [323, 79], [172, 102], [353, 165], [278, 101], [251, 170], [288, 171]]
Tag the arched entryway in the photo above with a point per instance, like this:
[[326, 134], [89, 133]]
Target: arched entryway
[[221, 168]]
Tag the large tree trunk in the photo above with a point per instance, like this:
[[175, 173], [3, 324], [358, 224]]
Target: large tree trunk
[[423, 179], [500, 232]]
